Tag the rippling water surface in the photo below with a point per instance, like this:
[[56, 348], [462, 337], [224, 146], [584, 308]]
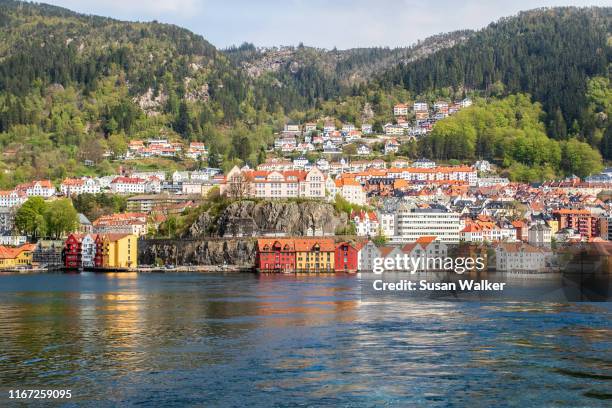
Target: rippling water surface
[[238, 340]]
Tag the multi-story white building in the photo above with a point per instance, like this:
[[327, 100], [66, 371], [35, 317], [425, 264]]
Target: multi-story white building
[[274, 184], [38, 188], [424, 164], [539, 235], [393, 130], [413, 223], [519, 257], [88, 251], [391, 146], [77, 186], [160, 175], [349, 188], [366, 223], [180, 176], [420, 107], [400, 109], [492, 181], [12, 198], [135, 185], [387, 223]]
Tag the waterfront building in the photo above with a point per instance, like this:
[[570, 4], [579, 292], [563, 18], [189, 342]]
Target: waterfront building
[[519, 257], [16, 257], [48, 253], [72, 252], [366, 255], [275, 255], [314, 254], [346, 257], [116, 251]]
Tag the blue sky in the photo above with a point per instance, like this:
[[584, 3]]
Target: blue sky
[[327, 24]]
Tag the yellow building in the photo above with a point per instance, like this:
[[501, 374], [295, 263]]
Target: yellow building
[[554, 226], [117, 251], [314, 255], [16, 257]]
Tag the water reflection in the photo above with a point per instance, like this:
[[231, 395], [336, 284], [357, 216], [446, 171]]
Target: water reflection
[[175, 340]]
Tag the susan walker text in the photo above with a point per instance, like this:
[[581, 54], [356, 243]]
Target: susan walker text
[[424, 285]]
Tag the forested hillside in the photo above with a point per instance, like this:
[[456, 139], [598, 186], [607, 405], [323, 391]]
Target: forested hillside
[[74, 89], [74, 86], [549, 53], [308, 75]]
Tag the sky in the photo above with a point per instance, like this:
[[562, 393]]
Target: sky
[[319, 23]]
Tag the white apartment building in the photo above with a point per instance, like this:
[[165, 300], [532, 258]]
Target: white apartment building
[[517, 257], [349, 188], [420, 107], [387, 223], [12, 198], [366, 223], [400, 109], [134, 185], [539, 235], [413, 223], [77, 186], [393, 130], [492, 181], [274, 184], [39, 188], [88, 251]]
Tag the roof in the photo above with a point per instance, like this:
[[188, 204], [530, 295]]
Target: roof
[[307, 244], [283, 242], [426, 240], [12, 253], [83, 220]]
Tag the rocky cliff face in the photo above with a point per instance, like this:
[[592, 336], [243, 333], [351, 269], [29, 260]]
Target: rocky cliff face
[[250, 218], [239, 252]]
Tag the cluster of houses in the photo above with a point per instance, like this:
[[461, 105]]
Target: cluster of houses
[[329, 139], [354, 182], [145, 182], [165, 148], [424, 116], [77, 251], [100, 251]]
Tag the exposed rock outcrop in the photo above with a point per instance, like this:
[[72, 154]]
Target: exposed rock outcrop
[[239, 252], [250, 218]]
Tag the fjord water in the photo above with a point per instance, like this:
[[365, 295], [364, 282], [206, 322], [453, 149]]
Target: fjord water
[[246, 340]]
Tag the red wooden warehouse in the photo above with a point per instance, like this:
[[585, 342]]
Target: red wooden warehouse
[[346, 257], [275, 255]]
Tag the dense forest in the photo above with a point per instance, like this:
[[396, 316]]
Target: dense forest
[[547, 53], [75, 88]]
